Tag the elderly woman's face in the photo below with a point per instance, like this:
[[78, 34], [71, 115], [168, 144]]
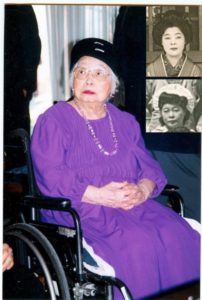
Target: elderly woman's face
[[173, 115], [173, 42], [92, 80]]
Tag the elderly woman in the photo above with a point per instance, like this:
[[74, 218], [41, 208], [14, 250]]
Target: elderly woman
[[173, 33], [88, 150]]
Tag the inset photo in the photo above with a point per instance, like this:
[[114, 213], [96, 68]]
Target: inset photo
[[174, 105], [174, 41]]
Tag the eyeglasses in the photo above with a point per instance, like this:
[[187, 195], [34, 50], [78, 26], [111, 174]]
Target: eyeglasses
[[98, 74]]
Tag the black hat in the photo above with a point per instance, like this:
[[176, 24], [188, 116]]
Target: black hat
[[96, 48]]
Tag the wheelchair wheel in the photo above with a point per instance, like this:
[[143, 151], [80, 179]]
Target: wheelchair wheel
[[36, 253]]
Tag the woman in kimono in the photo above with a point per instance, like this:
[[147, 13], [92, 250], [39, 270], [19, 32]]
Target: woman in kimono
[[173, 33], [88, 150]]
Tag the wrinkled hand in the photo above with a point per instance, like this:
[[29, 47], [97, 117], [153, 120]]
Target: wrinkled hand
[[134, 195], [119, 194], [109, 195], [8, 261]]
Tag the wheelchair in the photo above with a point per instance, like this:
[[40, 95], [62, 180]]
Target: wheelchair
[[55, 255]]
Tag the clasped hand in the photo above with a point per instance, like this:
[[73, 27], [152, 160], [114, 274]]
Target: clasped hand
[[123, 195]]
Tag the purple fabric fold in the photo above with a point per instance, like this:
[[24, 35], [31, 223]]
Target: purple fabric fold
[[150, 247]]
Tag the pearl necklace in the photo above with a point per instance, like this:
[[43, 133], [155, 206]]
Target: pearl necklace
[[92, 132]]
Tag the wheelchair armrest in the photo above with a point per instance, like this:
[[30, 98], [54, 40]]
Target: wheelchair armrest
[[170, 188], [175, 200], [59, 204], [45, 202]]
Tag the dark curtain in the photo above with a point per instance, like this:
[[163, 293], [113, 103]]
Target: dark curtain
[[22, 48], [130, 42]]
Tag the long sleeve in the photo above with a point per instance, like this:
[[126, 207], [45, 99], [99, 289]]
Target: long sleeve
[[66, 160], [49, 146], [148, 167]]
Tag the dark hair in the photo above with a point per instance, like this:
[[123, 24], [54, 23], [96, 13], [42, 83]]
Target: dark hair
[[171, 18], [174, 99]]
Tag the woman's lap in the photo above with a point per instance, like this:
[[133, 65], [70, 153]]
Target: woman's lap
[[151, 248]]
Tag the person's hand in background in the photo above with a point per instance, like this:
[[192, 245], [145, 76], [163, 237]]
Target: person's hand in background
[[7, 260]]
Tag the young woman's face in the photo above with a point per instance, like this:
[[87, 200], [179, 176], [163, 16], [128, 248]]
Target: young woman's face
[[173, 116], [173, 42], [92, 80]]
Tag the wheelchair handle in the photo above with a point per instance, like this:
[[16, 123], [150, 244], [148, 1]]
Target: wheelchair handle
[[61, 204]]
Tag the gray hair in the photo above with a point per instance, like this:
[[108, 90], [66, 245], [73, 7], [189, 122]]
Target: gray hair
[[114, 78]]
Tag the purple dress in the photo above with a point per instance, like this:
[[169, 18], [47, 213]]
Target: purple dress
[[150, 247]]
